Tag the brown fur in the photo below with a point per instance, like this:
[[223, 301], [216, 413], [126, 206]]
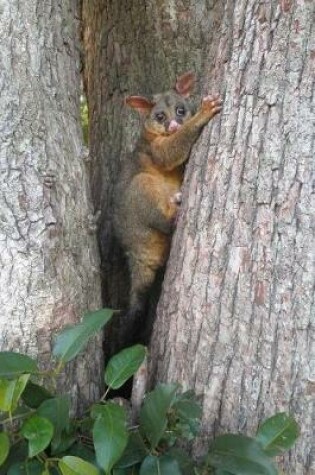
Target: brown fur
[[145, 198]]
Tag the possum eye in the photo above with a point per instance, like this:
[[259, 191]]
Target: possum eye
[[180, 111], [160, 116]]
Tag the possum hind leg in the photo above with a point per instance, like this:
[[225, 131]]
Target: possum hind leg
[[143, 269], [146, 258], [137, 324], [142, 277]]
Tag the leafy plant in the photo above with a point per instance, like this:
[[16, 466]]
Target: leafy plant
[[39, 437]]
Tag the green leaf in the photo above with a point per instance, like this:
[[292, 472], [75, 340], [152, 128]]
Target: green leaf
[[80, 450], [96, 410], [134, 453], [39, 432], [10, 392], [6, 394], [56, 410], [126, 471], [239, 455], [73, 339], [4, 447], [34, 394], [186, 423], [19, 389], [70, 465], [18, 453], [124, 365], [110, 435], [222, 472], [164, 465], [65, 442], [14, 364], [278, 434], [186, 463], [153, 415], [187, 407], [30, 467]]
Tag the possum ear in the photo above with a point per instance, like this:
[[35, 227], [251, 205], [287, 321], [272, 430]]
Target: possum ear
[[185, 84], [140, 103]]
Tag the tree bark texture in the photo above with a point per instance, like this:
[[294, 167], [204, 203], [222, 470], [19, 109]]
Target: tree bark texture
[[236, 318], [49, 260]]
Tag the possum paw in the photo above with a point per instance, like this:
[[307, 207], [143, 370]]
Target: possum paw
[[211, 105], [177, 198]]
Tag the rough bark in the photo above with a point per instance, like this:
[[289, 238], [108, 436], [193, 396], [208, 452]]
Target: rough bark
[[235, 318], [49, 260]]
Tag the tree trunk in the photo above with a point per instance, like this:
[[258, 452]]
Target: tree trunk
[[49, 260], [234, 320]]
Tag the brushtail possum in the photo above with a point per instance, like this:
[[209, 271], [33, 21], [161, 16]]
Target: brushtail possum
[[148, 195]]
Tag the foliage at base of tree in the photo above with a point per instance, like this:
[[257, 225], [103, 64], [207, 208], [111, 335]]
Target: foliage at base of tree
[[39, 436]]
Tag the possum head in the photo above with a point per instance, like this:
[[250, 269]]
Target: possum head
[[168, 111]]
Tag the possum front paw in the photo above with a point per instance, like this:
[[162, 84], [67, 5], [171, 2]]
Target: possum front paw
[[176, 199], [211, 105]]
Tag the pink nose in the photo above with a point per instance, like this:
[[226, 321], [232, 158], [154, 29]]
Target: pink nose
[[173, 126]]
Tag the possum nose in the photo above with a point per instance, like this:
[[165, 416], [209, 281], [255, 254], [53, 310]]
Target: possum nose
[[173, 126]]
